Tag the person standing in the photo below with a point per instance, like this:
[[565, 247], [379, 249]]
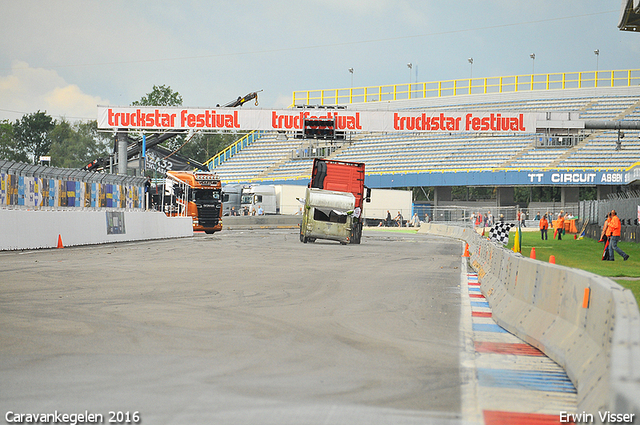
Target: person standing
[[544, 226], [614, 228], [604, 237], [560, 224]]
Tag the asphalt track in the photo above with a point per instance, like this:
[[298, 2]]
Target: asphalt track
[[240, 327]]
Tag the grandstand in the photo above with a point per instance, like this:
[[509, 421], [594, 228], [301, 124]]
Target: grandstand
[[462, 159]]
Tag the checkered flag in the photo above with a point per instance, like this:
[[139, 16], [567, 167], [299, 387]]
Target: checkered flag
[[500, 232]]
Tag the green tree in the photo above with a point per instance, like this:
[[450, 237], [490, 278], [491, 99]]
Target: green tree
[[8, 147], [163, 96], [201, 147], [31, 134], [75, 145], [160, 96]]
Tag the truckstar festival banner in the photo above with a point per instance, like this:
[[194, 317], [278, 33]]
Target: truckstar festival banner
[[174, 118]]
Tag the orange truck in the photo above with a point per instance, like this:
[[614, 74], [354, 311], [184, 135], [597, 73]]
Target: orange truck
[[197, 195]]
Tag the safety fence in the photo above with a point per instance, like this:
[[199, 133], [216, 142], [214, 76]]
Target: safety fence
[[586, 323], [467, 86], [25, 186], [594, 213], [627, 209]]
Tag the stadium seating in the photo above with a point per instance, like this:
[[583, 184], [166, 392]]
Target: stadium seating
[[272, 157]]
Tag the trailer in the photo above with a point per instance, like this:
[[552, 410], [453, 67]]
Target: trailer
[[328, 215]]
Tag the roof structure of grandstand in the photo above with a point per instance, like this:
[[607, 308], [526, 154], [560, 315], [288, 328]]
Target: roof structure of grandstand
[[453, 159]]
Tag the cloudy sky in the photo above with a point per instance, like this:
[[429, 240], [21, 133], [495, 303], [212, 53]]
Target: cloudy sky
[[67, 56]]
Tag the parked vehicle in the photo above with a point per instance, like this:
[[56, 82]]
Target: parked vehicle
[[194, 194], [256, 196], [290, 198], [231, 195]]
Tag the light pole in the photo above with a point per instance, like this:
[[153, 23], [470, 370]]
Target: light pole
[[410, 66], [597, 53], [533, 59], [470, 60]]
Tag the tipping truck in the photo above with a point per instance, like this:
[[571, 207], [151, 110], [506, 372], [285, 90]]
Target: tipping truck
[[197, 195], [338, 176]]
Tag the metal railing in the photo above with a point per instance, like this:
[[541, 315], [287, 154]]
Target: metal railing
[[467, 86], [232, 149]]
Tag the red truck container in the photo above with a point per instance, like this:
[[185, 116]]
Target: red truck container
[[342, 176]]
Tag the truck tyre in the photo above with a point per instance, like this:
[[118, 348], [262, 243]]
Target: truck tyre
[[356, 233]]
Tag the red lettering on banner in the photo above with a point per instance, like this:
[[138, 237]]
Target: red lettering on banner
[[219, 121], [296, 122], [345, 120], [494, 122], [208, 119]]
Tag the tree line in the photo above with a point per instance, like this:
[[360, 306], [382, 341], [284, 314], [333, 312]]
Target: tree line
[[75, 144]]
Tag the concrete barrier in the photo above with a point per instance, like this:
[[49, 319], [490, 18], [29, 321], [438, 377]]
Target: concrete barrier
[[262, 222], [588, 324], [24, 229]]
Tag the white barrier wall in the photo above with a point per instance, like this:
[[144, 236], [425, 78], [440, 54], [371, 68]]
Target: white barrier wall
[[24, 229], [596, 340]]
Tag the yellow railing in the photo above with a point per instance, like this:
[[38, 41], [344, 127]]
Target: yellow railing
[[466, 86], [232, 149]]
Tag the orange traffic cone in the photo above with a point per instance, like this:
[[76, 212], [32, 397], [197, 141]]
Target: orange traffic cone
[[533, 253], [552, 259], [466, 251], [60, 242]]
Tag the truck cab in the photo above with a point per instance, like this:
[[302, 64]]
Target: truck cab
[[256, 196], [346, 177], [197, 195], [231, 195]]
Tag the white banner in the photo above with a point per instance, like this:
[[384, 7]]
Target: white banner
[[167, 118]]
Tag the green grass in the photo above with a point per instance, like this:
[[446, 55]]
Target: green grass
[[585, 254]]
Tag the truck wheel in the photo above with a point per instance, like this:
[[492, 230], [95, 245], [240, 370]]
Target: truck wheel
[[357, 234]]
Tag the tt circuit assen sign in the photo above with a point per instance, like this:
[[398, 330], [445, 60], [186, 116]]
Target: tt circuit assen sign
[[213, 119]]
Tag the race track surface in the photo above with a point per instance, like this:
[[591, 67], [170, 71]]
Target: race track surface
[[240, 327]]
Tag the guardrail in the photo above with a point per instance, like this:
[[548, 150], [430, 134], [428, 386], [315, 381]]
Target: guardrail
[[466, 86], [586, 323]]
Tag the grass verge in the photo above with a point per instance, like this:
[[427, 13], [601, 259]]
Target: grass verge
[[585, 254]]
